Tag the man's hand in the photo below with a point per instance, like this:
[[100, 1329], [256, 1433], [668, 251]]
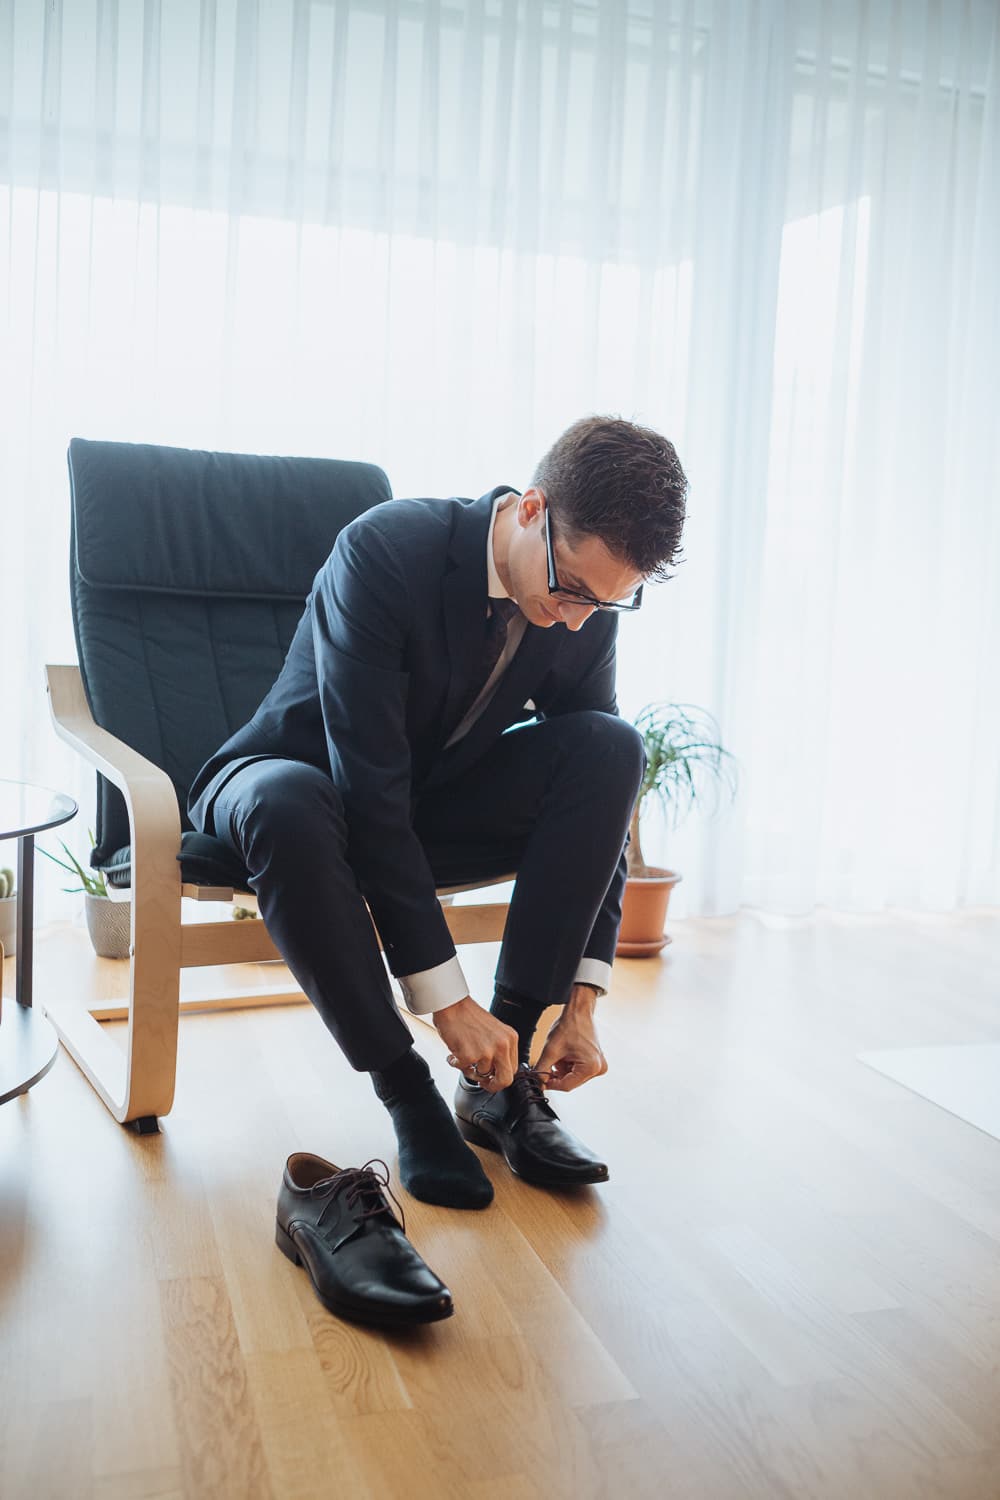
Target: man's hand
[[572, 1054], [477, 1039]]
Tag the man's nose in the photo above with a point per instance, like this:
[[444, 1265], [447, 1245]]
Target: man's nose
[[575, 615]]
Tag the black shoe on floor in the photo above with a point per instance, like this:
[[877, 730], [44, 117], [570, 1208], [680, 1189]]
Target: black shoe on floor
[[337, 1223], [521, 1123]]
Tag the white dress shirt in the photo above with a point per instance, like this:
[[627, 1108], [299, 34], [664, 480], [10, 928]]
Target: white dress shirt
[[445, 984]]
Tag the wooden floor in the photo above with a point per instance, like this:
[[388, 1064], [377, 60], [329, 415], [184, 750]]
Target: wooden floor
[[789, 1288]]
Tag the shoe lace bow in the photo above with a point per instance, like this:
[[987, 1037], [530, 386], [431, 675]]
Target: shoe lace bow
[[360, 1186], [527, 1092]]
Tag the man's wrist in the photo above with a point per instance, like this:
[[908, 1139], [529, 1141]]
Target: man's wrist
[[583, 997], [433, 989], [446, 1009]]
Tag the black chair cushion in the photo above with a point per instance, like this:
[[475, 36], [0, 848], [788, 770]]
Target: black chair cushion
[[208, 861], [203, 861], [189, 572]]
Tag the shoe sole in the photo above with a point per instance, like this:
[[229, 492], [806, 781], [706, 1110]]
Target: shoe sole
[[286, 1245], [477, 1136]]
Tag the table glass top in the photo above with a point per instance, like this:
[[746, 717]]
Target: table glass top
[[29, 809]]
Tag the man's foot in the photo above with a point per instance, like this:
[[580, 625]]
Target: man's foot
[[435, 1164], [520, 1123]]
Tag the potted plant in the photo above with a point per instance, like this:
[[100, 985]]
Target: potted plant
[[8, 913], [682, 749], [108, 922]]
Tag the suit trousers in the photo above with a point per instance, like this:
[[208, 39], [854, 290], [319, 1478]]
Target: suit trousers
[[550, 800]]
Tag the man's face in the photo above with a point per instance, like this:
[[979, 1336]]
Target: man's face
[[588, 568]]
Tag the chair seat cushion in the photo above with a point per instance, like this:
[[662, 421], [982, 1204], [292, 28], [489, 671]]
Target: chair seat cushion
[[203, 861], [208, 861]]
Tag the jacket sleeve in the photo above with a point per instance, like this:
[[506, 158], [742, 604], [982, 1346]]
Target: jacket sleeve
[[360, 621]]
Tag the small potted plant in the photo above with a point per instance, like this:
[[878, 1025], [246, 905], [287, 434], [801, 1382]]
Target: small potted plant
[[682, 749], [108, 922], [8, 913]]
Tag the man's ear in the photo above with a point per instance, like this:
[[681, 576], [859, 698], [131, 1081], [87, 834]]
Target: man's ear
[[530, 505]]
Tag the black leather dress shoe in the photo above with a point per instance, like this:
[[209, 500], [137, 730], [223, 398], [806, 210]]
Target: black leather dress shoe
[[337, 1223], [521, 1123]]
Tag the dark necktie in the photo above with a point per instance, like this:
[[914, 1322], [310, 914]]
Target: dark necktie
[[502, 612]]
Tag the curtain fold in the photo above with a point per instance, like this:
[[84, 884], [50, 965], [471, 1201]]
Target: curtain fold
[[431, 233]]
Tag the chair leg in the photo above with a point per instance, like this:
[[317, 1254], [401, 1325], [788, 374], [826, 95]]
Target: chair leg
[[139, 1084]]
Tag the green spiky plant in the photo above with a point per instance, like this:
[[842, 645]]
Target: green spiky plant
[[682, 752], [6, 884], [91, 881]]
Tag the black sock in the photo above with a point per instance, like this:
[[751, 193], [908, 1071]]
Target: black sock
[[435, 1164], [519, 1012]]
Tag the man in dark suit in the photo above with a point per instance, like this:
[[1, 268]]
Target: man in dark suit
[[443, 716]]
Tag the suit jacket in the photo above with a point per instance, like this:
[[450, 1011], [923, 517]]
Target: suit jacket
[[372, 688]]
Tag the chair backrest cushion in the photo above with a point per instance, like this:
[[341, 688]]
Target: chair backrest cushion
[[189, 572]]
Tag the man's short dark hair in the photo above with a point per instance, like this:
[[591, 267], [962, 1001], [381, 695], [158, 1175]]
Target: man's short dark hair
[[609, 478]]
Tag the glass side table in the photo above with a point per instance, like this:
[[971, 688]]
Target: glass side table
[[28, 1042]]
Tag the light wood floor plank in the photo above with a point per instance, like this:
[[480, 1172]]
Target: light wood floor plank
[[222, 1451], [306, 1449]]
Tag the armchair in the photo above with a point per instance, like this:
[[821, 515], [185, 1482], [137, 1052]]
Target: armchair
[[189, 572]]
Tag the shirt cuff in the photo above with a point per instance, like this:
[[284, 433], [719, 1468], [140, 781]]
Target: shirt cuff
[[433, 989], [596, 972]]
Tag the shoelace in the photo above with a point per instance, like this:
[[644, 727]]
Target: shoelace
[[361, 1184], [528, 1089]]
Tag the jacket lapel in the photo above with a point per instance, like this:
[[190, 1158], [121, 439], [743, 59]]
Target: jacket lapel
[[533, 659], [464, 592]]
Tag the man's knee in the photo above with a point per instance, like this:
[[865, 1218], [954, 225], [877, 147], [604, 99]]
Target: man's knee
[[616, 745], [293, 807]]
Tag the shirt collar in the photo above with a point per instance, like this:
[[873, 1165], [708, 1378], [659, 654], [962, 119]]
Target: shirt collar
[[494, 587]]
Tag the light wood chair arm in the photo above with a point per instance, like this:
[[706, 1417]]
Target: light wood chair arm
[[133, 775], [155, 835], [153, 815]]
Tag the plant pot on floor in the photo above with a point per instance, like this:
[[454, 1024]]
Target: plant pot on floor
[[644, 913], [110, 926], [8, 925]]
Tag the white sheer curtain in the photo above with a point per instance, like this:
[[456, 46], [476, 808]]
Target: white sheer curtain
[[433, 234]]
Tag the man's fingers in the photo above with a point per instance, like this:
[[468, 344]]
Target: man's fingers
[[570, 1081], [481, 1046], [477, 1070], [502, 1078], [570, 1075]]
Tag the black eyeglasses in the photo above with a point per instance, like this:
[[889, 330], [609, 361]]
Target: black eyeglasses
[[570, 595]]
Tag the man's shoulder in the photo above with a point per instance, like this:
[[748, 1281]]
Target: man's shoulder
[[416, 530], [398, 518]]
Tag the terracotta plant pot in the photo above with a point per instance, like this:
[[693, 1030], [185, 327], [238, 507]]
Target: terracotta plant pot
[[644, 912], [109, 924]]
